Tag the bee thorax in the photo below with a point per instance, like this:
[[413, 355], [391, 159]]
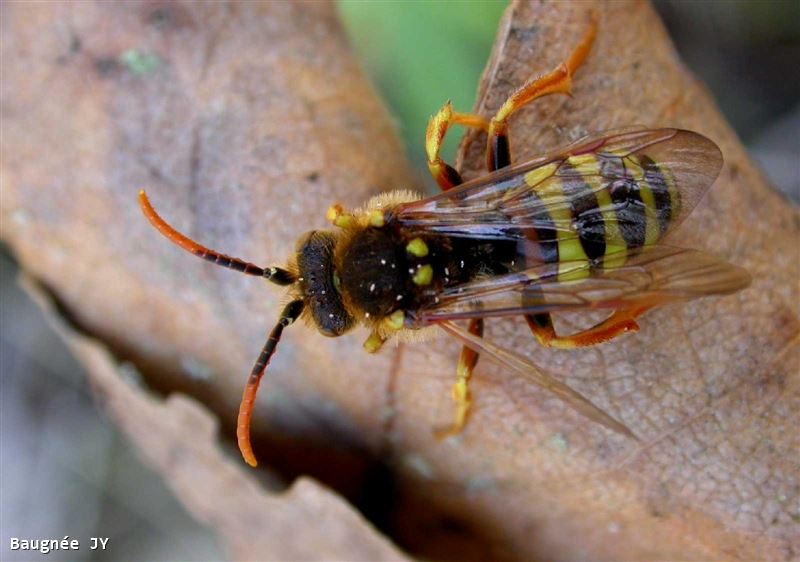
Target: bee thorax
[[374, 272]]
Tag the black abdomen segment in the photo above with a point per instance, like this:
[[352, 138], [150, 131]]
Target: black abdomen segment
[[615, 203]]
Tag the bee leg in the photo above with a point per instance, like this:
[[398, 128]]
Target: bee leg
[[542, 327], [461, 393], [374, 342], [557, 81], [620, 322], [444, 174], [339, 217]]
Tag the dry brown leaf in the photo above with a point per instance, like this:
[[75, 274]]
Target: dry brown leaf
[[245, 122], [178, 438], [250, 113]]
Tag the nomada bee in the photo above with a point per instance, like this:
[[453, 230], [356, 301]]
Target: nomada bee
[[578, 228]]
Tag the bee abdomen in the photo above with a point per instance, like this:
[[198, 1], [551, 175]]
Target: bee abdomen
[[665, 197], [601, 206], [644, 203]]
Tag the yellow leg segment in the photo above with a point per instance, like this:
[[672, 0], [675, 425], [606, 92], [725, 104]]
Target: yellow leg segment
[[461, 392], [557, 81], [339, 217], [444, 174], [620, 322], [374, 342]]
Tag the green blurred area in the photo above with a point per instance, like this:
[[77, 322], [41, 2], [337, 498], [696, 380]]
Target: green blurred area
[[420, 54]]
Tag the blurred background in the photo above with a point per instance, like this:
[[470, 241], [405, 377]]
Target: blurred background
[[422, 54], [65, 470]]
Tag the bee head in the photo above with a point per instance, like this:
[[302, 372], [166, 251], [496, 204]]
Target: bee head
[[314, 287], [319, 283]]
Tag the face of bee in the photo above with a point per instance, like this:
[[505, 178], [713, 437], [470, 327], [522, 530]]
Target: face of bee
[[319, 283]]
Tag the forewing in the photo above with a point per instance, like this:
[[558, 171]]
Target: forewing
[[650, 276], [522, 366], [597, 189]]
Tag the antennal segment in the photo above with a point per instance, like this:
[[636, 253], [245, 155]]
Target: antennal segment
[[290, 313], [201, 251]]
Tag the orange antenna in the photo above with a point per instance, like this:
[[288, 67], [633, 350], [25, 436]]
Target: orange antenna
[[290, 313], [274, 274]]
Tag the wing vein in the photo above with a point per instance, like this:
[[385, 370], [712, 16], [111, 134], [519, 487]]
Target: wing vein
[[523, 367]]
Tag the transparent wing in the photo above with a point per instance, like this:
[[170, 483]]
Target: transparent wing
[[531, 372], [650, 276], [611, 189]]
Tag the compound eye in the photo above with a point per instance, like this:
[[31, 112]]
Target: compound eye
[[304, 240], [330, 330], [320, 284]]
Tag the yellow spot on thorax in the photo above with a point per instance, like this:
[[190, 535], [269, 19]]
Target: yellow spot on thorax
[[417, 247], [423, 275]]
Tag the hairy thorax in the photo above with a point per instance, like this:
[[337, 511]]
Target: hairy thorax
[[388, 268]]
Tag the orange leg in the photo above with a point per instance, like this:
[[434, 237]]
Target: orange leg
[[557, 81], [620, 322], [461, 393], [445, 175]]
